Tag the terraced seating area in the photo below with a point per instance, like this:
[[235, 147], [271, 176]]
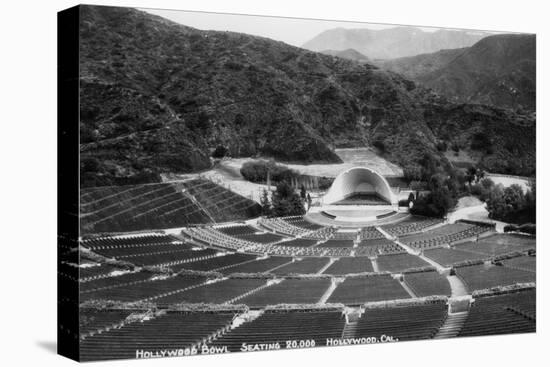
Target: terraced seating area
[[281, 226], [444, 235], [399, 262], [370, 233], [124, 252], [283, 326], [95, 271], [527, 263], [350, 265], [332, 251], [299, 242], [299, 221], [413, 224], [258, 266], [222, 204], [137, 207], [261, 237], [162, 205], [322, 233], [446, 257], [428, 283], [288, 291], [281, 249], [379, 246], [115, 281], [336, 244], [143, 290], [414, 322], [213, 237], [92, 320], [309, 265], [499, 244], [167, 258], [233, 230], [479, 277], [214, 263], [217, 292], [502, 314], [154, 250], [354, 291], [129, 241], [352, 235], [171, 331]]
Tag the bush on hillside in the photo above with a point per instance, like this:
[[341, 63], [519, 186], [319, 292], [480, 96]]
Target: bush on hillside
[[256, 171], [220, 152]]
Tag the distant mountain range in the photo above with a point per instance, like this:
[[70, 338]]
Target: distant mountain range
[[392, 43], [498, 70], [158, 97]]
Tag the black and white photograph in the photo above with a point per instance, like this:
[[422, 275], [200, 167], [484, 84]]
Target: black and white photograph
[[247, 183]]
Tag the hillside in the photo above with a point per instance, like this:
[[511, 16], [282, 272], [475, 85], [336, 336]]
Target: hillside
[[159, 97], [413, 67], [392, 43], [349, 54], [499, 70]]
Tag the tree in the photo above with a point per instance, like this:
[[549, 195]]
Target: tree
[[436, 204], [303, 192], [470, 175], [487, 183], [265, 203], [285, 201], [514, 197], [496, 206], [220, 152]]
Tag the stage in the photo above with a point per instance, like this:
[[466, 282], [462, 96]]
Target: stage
[[353, 216]]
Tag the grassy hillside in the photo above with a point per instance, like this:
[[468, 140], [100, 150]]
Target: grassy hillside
[[160, 97]]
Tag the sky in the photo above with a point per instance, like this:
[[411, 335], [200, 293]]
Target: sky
[[293, 31]]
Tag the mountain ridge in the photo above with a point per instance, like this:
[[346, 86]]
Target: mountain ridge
[[498, 70], [393, 42], [159, 97]]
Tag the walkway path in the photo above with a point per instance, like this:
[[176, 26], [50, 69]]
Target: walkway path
[[408, 289], [329, 291], [458, 288]]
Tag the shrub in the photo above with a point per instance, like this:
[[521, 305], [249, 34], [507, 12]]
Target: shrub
[[256, 171], [220, 152], [524, 228]]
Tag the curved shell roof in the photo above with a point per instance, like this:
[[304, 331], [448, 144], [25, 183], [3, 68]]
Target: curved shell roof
[[356, 180]]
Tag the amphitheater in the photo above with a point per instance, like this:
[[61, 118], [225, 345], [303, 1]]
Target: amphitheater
[[189, 267]]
